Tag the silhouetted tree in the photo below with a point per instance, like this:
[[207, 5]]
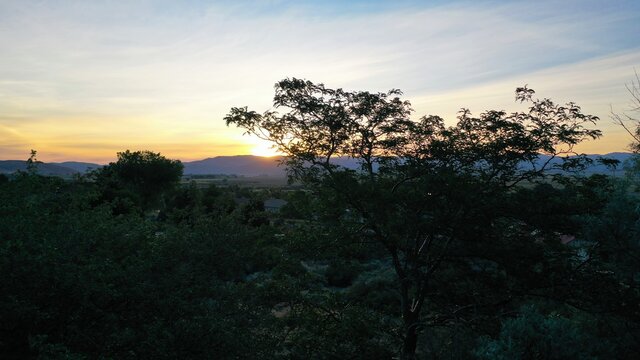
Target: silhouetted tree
[[32, 163], [422, 187], [141, 177]]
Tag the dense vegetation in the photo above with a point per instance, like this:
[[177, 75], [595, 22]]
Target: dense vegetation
[[443, 246]]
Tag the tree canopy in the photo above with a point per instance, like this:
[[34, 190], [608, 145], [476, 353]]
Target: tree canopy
[[423, 188], [143, 175]]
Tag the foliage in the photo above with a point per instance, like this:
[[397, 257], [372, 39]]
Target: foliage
[[445, 243], [342, 273], [81, 282], [532, 335], [423, 188], [138, 178]]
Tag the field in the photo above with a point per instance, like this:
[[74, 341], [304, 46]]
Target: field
[[204, 181]]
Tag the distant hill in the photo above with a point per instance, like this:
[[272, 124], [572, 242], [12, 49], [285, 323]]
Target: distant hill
[[601, 169], [248, 165], [81, 167], [11, 166], [596, 167], [245, 165]]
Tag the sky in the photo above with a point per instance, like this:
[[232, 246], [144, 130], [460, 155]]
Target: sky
[[82, 80]]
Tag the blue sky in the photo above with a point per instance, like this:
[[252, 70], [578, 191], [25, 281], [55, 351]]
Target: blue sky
[[85, 79]]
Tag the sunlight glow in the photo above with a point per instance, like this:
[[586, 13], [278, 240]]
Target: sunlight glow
[[265, 149]]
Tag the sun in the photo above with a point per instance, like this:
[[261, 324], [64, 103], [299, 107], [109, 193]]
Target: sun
[[264, 148]]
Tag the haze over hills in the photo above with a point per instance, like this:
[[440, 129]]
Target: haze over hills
[[242, 165], [49, 169], [81, 167], [245, 165]]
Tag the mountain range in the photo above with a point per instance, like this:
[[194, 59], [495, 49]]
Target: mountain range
[[67, 168], [242, 165]]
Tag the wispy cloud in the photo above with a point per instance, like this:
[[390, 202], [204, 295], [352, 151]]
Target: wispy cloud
[[597, 85], [155, 72]]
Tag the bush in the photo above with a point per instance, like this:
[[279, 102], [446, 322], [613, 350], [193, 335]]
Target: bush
[[341, 273]]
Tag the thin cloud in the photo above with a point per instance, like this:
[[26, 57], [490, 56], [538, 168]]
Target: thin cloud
[[130, 70]]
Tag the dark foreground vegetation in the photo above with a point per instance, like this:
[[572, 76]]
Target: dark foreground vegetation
[[449, 243]]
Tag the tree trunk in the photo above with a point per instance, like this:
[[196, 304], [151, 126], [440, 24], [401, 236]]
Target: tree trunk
[[410, 340], [410, 310], [411, 317]]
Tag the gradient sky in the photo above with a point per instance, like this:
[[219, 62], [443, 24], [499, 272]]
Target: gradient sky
[[82, 80]]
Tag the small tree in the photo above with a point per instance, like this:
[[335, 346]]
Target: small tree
[[421, 187], [32, 163], [144, 174]]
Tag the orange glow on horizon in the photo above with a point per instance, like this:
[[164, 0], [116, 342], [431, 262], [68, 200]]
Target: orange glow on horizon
[[105, 152], [264, 148]]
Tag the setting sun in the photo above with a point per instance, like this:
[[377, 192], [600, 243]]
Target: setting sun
[[264, 148]]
